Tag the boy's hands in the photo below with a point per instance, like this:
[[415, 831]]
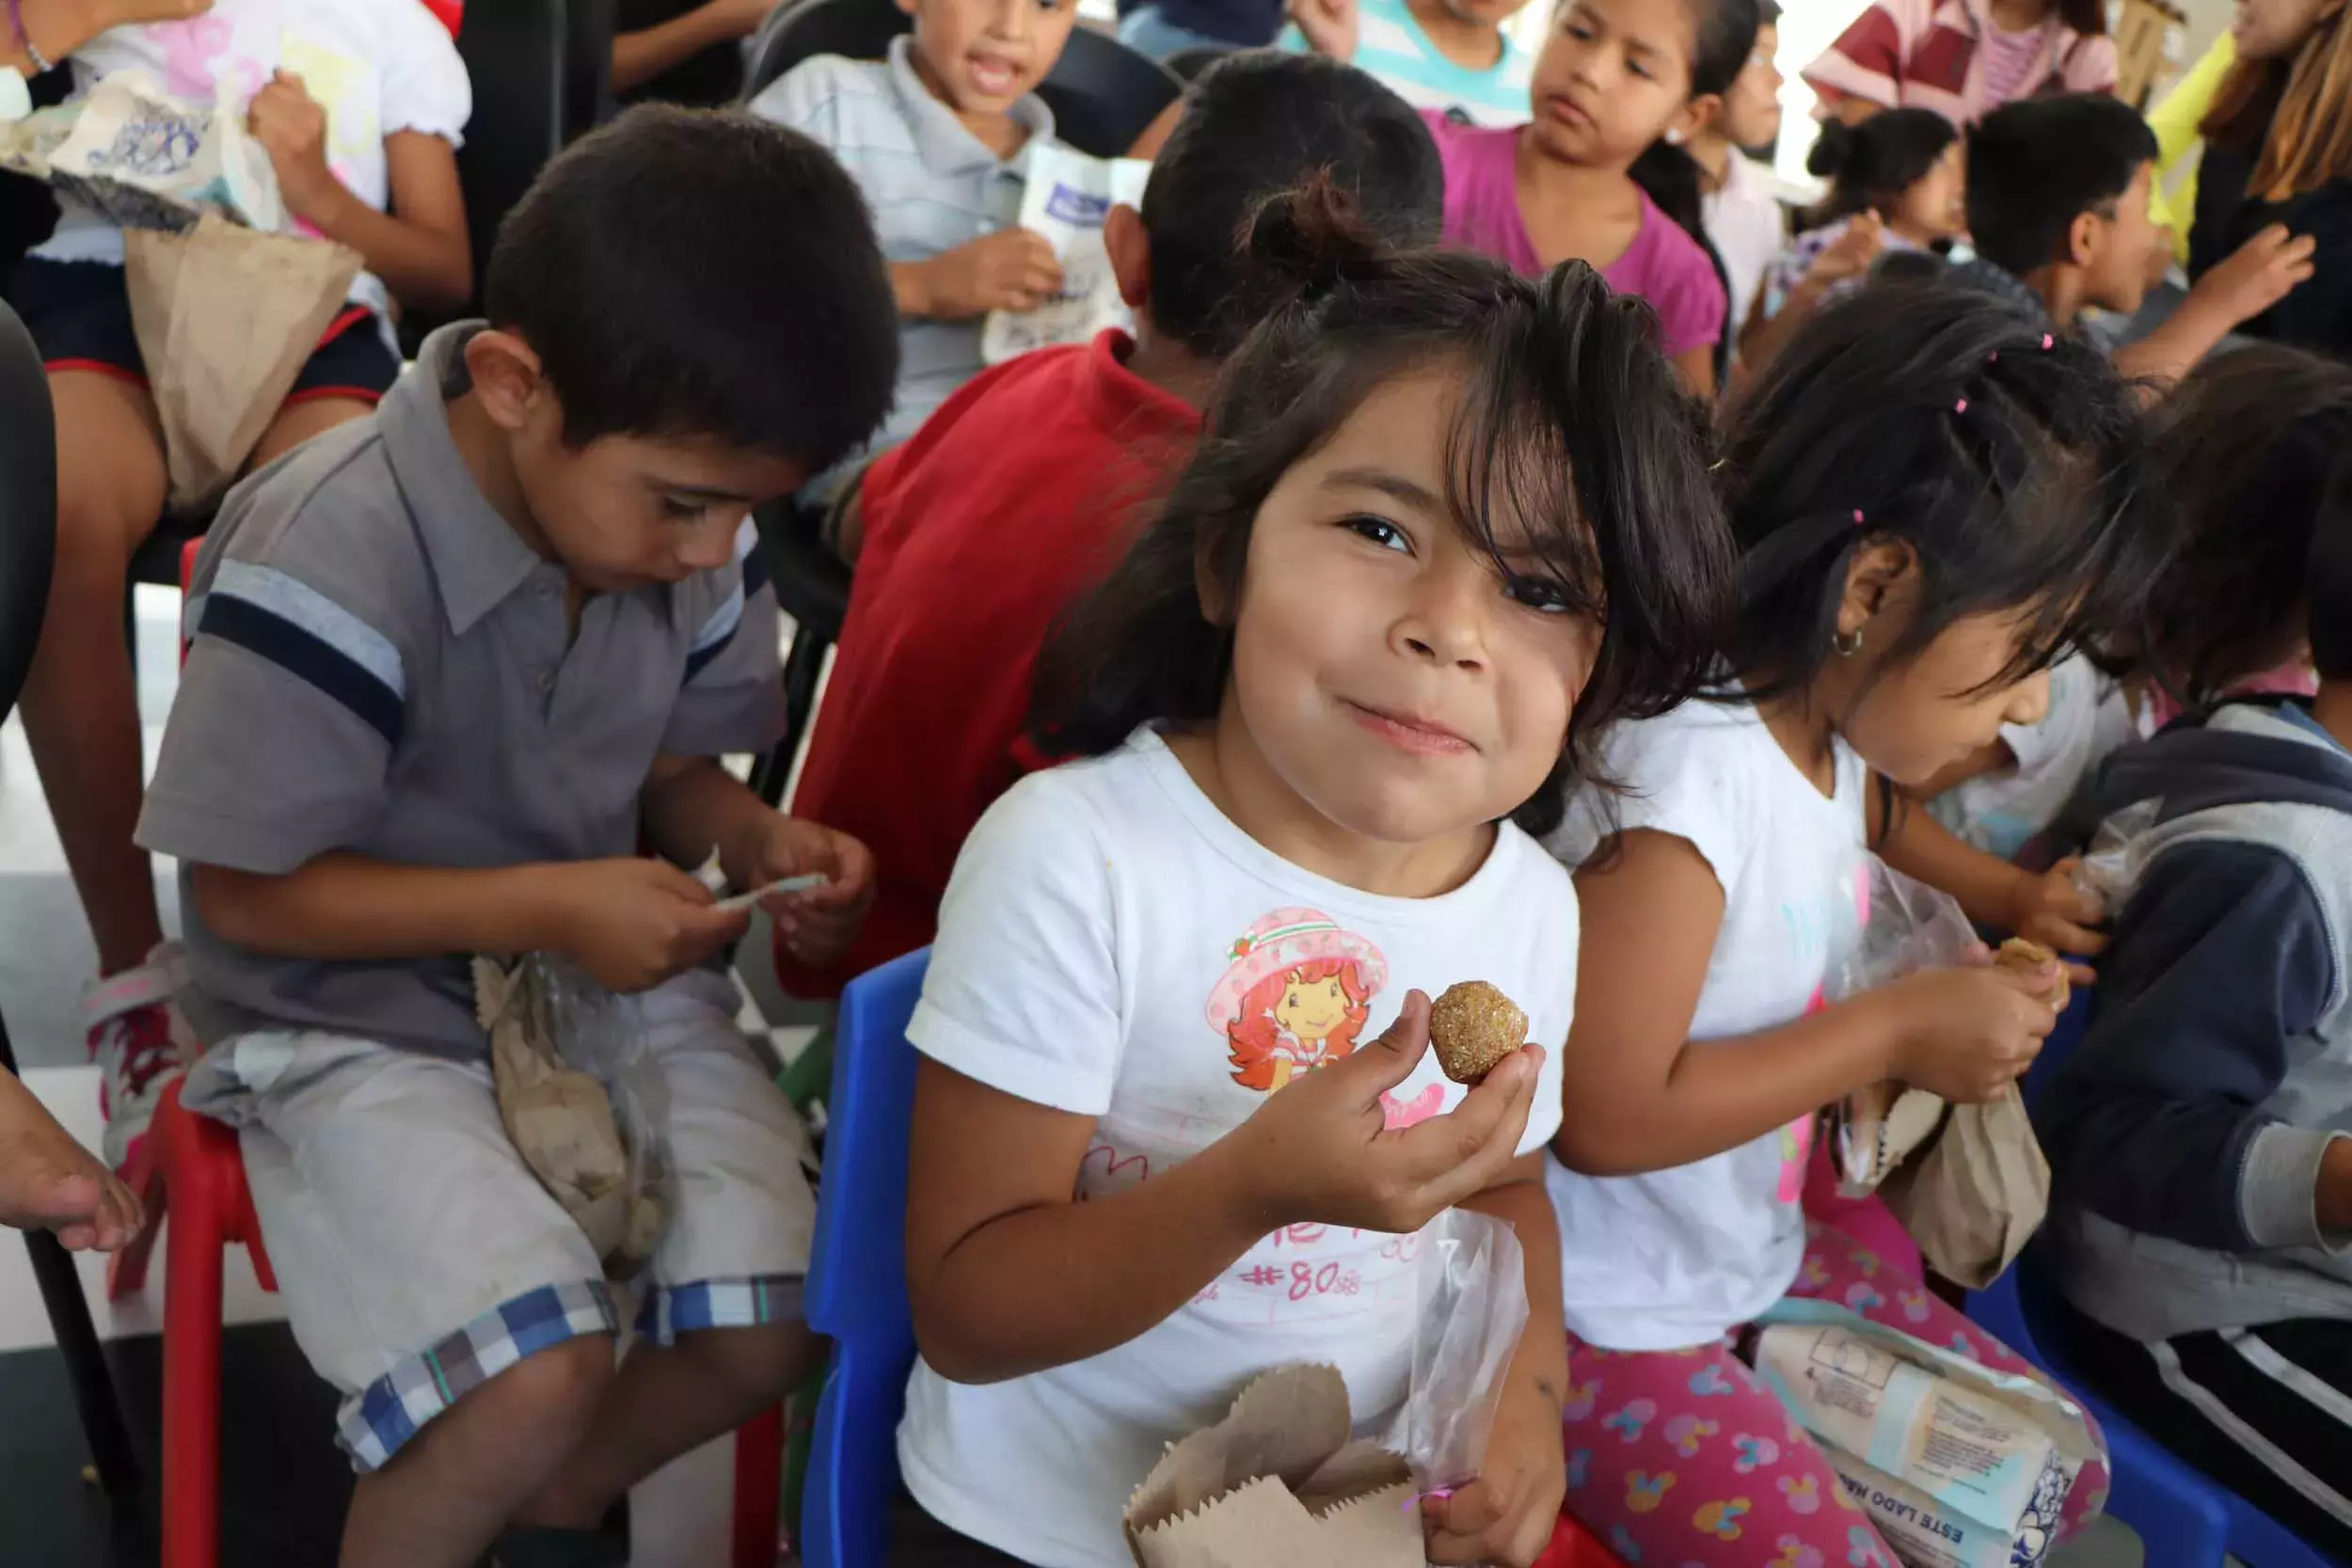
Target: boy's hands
[[1318, 1150], [1508, 1514], [817, 926], [1012, 269], [2257, 276], [292, 128], [1331, 27], [2057, 911], [635, 923]]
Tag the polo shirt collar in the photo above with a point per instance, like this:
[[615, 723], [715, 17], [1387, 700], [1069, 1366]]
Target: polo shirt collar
[[476, 556], [945, 144]]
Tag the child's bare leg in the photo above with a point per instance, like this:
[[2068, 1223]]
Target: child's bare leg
[[49, 1180], [669, 1400], [445, 1496], [297, 423], [81, 700]]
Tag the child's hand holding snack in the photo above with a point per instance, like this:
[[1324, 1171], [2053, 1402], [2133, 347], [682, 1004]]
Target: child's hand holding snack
[[816, 924], [634, 923], [1966, 1034], [1012, 269], [2057, 912], [1318, 1149], [1506, 1515]]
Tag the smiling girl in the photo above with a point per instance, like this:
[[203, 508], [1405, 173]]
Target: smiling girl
[[1365, 634]]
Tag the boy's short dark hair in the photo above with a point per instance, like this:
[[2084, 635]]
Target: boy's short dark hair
[[2037, 165], [1256, 125], [682, 272]]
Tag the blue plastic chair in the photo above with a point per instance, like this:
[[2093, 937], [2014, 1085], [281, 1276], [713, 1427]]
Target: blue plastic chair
[[857, 1277], [2184, 1518]]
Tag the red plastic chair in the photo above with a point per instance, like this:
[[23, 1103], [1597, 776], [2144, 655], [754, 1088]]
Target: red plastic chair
[[190, 1164], [1574, 1546]]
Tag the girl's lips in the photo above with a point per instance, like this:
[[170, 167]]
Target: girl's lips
[[1421, 736], [1566, 112]]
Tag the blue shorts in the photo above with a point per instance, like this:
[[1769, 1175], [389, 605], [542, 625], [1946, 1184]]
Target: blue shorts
[[79, 314]]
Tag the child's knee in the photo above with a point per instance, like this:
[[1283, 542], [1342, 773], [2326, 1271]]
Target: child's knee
[[553, 1394], [771, 1359]]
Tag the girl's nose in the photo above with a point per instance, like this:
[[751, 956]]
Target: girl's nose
[[1445, 623], [2030, 704]]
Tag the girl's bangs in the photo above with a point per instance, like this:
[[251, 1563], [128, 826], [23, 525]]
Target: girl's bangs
[[1511, 486]]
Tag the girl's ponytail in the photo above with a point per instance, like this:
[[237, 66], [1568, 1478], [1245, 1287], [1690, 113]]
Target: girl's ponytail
[[1872, 163], [1307, 242], [1668, 175]]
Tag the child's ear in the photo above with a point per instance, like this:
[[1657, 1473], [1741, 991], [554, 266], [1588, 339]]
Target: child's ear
[[1871, 578], [2085, 237], [1130, 250], [1696, 116], [507, 380]]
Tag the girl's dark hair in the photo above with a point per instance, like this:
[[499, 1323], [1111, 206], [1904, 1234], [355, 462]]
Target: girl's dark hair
[[1724, 37], [1570, 420], [1872, 163], [2085, 17], [2255, 450], [2011, 461]]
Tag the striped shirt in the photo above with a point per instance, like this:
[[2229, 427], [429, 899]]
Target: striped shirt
[[1946, 56], [1391, 45], [933, 185]]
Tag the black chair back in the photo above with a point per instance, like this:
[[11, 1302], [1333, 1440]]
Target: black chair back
[[513, 51], [587, 65], [1103, 94], [28, 502]]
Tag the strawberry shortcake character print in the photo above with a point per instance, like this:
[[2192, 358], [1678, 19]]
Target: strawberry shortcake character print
[[1294, 997]]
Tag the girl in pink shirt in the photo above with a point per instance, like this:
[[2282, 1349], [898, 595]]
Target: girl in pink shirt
[[1618, 80]]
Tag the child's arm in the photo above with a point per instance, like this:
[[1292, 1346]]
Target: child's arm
[[418, 248], [640, 56], [1506, 1514], [1697, 367], [1639, 1093], [632, 924], [694, 808], [58, 28], [1012, 269], [1009, 1275], [2260, 273], [2048, 907]]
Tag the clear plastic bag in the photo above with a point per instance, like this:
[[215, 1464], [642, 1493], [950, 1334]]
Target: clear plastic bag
[[2110, 868], [1472, 1296], [581, 1101]]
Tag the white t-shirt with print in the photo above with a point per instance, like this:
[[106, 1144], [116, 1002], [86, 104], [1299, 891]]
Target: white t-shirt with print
[[1676, 1258], [1113, 946], [2090, 718], [378, 67]]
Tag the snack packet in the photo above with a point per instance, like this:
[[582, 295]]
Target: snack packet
[[1067, 197], [143, 159], [584, 1106]]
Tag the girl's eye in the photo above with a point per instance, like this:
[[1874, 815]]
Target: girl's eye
[[1381, 531], [680, 510], [1540, 593], [1644, 72]]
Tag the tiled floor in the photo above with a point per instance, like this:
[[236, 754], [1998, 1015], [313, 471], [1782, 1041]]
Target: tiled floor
[[283, 1482]]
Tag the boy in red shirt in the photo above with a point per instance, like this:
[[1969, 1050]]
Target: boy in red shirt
[[1027, 485]]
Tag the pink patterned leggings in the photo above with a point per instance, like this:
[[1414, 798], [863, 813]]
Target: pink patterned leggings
[[1675, 1455]]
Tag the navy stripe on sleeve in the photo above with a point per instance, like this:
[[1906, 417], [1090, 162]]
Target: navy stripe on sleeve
[[304, 653]]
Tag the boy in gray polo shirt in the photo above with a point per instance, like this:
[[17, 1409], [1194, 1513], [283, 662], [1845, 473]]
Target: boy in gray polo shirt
[[451, 667], [938, 138]]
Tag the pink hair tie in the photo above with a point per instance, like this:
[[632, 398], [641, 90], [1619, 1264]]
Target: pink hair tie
[[2048, 341], [1857, 516], [1960, 407]]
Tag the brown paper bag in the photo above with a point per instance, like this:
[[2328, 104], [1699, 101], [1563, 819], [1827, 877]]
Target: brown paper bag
[[1276, 1484], [561, 1121], [226, 318], [1979, 1193]]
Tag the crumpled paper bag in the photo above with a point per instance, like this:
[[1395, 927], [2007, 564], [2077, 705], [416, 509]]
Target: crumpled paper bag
[[562, 1122], [1278, 1484], [1977, 1196], [226, 318]]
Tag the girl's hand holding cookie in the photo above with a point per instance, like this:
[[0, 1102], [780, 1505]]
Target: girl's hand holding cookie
[[1319, 1148]]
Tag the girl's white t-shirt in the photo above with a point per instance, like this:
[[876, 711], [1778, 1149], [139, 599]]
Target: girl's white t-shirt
[[378, 67], [1112, 946], [1676, 1258]]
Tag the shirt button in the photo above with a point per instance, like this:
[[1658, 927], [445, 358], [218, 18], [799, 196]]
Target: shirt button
[[546, 683]]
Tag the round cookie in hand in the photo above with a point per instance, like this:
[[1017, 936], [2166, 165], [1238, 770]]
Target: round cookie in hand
[[1474, 1027], [2017, 953]]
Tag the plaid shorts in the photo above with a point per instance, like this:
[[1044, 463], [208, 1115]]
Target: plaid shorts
[[419, 1257]]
